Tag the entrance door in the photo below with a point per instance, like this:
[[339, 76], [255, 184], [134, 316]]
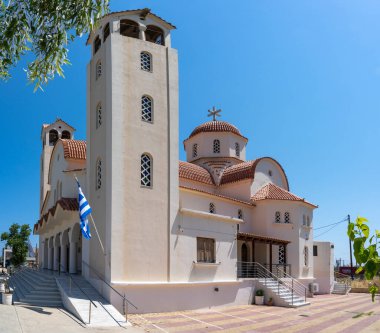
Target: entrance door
[[244, 253]]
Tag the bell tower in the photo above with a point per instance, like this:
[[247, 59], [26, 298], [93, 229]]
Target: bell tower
[[50, 134], [132, 138]]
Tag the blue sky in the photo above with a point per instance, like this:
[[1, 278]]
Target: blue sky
[[300, 79]]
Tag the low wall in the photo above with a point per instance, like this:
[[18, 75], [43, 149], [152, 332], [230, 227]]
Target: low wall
[[166, 297]]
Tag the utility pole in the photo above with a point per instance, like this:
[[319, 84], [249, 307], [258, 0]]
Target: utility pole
[[352, 274]]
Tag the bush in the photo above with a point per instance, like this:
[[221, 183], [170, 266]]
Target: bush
[[259, 292]]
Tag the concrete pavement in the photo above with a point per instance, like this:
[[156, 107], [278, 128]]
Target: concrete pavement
[[33, 319]]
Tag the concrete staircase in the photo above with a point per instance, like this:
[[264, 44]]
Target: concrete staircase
[[76, 296], [340, 288], [280, 293], [35, 288]]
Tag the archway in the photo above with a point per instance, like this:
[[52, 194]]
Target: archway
[[155, 35], [75, 258], [244, 253], [65, 251], [129, 28]]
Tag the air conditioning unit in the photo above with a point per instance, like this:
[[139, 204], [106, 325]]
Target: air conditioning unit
[[314, 287]]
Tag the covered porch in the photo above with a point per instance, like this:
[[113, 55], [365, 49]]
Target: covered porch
[[269, 252]]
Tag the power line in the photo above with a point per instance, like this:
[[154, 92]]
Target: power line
[[333, 225], [328, 225]]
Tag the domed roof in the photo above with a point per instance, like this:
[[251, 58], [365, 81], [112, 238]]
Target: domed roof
[[216, 126]]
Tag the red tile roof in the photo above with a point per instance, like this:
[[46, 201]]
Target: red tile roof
[[68, 204], [274, 192], [216, 126], [74, 149], [240, 171], [194, 172], [264, 239]]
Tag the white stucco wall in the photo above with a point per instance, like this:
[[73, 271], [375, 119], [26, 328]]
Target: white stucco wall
[[324, 266]]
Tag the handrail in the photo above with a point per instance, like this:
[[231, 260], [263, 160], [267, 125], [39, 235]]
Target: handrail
[[299, 284], [259, 271], [101, 278]]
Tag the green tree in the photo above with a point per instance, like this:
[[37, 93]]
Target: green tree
[[365, 250], [17, 238], [44, 28]]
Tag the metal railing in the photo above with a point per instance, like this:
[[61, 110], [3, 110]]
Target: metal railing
[[125, 301], [343, 279], [274, 268], [279, 277]]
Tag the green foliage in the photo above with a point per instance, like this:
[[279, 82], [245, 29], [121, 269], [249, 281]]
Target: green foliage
[[17, 238], [365, 250], [259, 292], [44, 28]]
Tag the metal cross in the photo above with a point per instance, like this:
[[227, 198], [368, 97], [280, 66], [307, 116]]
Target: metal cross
[[214, 113]]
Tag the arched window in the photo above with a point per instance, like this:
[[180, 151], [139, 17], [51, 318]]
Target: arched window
[[146, 108], [53, 137], [146, 170], [146, 61], [155, 35], [308, 221], [216, 146], [106, 32], [98, 73], [237, 149], [240, 214], [99, 118], [97, 43], [129, 28], [66, 135], [98, 184], [195, 150], [281, 254], [278, 217], [287, 217], [306, 256], [303, 219], [212, 208]]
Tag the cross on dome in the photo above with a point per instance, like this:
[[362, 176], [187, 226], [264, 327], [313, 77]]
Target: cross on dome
[[214, 113]]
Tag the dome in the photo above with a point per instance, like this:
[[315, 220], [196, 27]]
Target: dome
[[216, 126]]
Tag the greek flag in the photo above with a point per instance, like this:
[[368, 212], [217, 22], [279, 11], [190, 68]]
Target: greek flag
[[84, 210]]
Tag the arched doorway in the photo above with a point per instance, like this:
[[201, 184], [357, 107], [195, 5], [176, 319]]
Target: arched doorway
[[244, 253]]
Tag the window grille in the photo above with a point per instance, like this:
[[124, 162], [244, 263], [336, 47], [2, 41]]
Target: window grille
[[216, 146], [146, 109], [287, 217], [237, 149], [99, 118], [278, 217], [281, 254], [240, 214], [146, 170], [206, 250], [306, 256], [98, 174], [98, 69], [212, 208], [146, 61], [195, 150]]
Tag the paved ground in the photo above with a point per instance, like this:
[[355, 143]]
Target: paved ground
[[327, 314], [32, 319]]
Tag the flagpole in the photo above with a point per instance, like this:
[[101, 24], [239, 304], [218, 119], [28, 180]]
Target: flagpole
[[96, 230]]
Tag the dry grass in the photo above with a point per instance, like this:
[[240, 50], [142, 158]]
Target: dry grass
[[365, 283]]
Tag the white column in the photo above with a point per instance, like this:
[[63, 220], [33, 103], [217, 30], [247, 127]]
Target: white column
[[142, 29], [73, 258], [63, 258], [50, 259], [56, 258]]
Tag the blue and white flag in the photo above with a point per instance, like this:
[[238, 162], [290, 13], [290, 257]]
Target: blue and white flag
[[84, 210]]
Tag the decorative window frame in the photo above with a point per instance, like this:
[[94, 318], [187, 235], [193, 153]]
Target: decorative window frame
[[287, 218], [277, 217], [99, 115], [195, 150], [306, 256], [98, 174], [206, 250], [147, 109], [146, 170], [216, 146], [212, 208], [146, 61], [281, 255], [98, 69], [237, 149]]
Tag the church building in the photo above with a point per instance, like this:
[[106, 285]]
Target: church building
[[196, 233]]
